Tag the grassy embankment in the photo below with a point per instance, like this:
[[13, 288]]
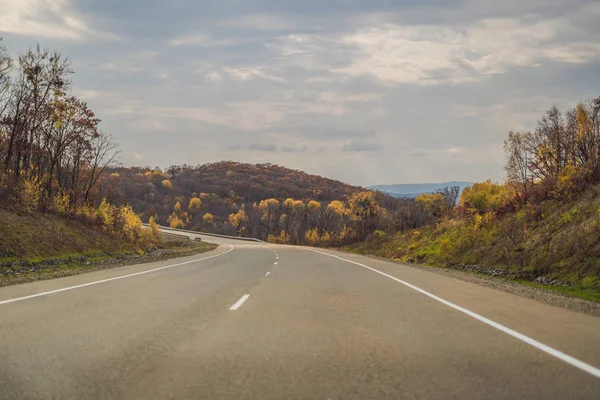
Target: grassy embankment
[[557, 241], [44, 246]]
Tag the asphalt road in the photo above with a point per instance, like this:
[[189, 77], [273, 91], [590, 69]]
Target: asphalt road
[[260, 321]]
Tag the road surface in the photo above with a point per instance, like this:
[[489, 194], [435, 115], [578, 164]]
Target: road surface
[[261, 321]]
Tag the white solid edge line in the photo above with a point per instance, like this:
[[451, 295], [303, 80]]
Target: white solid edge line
[[268, 273], [239, 303], [109, 279], [532, 342]]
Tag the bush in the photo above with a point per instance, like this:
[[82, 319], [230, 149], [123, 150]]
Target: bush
[[62, 204]]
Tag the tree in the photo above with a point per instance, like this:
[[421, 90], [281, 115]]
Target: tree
[[5, 70], [485, 197], [208, 218], [364, 208], [434, 204], [195, 203], [177, 207], [239, 221], [42, 75], [154, 231], [519, 157]]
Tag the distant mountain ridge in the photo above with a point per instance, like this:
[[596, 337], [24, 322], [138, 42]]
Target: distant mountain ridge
[[416, 189]]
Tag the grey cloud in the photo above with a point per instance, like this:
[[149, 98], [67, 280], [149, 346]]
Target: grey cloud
[[362, 145], [268, 147], [294, 149], [420, 153]]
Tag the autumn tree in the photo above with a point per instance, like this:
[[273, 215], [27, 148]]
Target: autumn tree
[[270, 215], [434, 204], [42, 76], [239, 221], [485, 197], [208, 218], [195, 203], [365, 209]]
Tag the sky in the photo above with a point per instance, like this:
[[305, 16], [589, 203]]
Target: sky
[[364, 91]]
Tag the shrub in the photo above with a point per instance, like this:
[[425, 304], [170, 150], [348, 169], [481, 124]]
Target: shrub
[[31, 194], [130, 224], [153, 232], [62, 203]]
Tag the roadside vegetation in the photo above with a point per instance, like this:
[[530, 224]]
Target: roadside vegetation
[[52, 161], [541, 226]]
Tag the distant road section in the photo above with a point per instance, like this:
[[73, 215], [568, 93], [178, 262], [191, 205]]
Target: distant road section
[[252, 320]]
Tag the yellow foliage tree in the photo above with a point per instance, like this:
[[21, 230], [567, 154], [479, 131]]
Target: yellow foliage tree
[[175, 222], [314, 205], [153, 231], [208, 218], [195, 203], [131, 224], [166, 184], [336, 207], [312, 237], [282, 238], [484, 197], [177, 207], [239, 220], [435, 204]]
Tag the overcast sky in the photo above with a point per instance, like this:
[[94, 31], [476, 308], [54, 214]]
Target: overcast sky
[[365, 91]]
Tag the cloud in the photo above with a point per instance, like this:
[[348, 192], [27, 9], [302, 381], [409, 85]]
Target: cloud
[[437, 54], [149, 124], [199, 40], [294, 149], [420, 153], [250, 73], [47, 18], [362, 145], [455, 151], [137, 156], [266, 147]]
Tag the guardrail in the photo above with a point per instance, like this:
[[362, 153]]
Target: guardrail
[[183, 231]]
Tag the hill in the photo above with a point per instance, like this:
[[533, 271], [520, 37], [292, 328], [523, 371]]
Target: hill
[[410, 190], [264, 201]]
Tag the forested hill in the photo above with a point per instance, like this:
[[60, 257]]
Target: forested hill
[[251, 200], [246, 182]]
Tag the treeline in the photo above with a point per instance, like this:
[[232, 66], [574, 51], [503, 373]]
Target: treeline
[[543, 220], [562, 153], [52, 153], [264, 201]]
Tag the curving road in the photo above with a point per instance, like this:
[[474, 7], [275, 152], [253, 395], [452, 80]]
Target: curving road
[[261, 321]]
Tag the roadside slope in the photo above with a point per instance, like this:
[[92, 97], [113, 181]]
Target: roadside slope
[[552, 245]]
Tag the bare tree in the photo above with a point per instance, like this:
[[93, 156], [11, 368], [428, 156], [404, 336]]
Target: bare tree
[[518, 159], [105, 152]]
